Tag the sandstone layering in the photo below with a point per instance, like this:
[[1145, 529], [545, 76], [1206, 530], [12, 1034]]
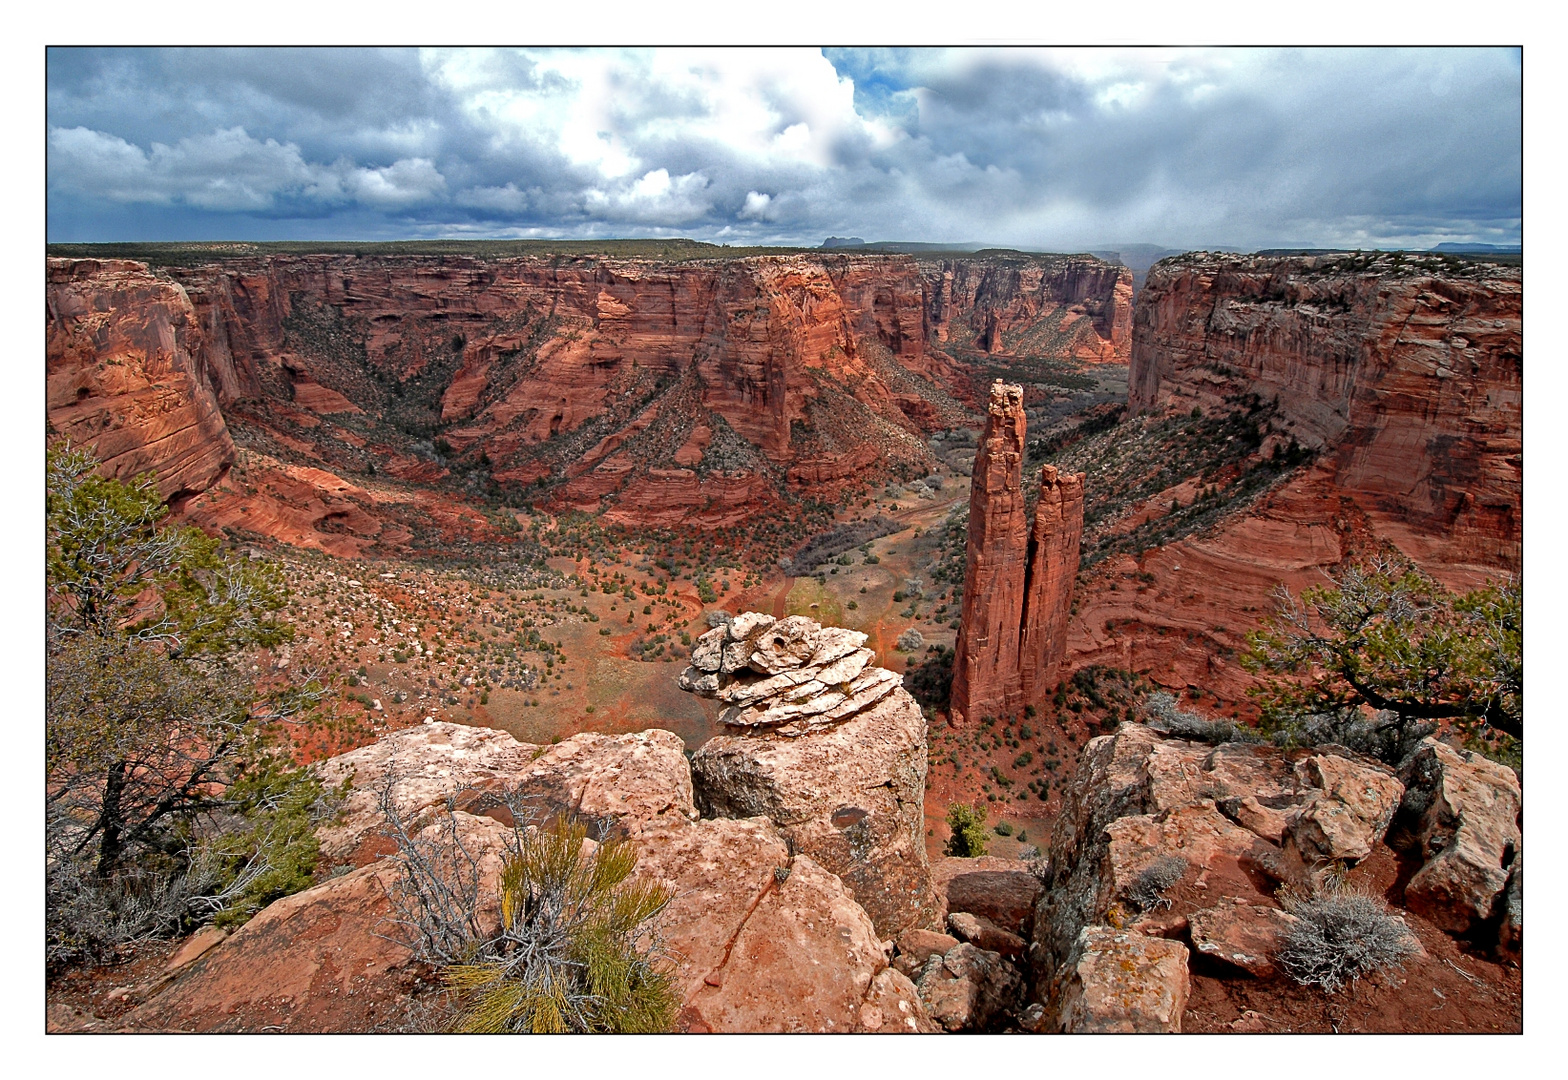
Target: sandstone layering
[[655, 392], [828, 747], [1018, 583], [1408, 376], [1402, 373]]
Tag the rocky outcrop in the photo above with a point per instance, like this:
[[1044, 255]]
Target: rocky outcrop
[[1121, 982], [124, 377], [1000, 890], [1049, 576], [1155, 831], [1465, 813], [829, 748], [1017, 583], [1405, 371], [1402, 372], [1245, 936], [986, 679], [764, 938], [969, 988]]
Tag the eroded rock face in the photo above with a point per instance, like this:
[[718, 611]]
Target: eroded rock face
[[841, 771], [1245, 936], [1409, 375], [1017, 584], [998, 299], [1004, 896], [124, 375], [969, 988], [314, 961], [1466, 825], [1054, 542]]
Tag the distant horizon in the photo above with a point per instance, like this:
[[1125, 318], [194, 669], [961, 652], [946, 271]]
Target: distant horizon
[[969, 247], [1330, 148]]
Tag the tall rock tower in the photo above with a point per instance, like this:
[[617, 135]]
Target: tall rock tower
[[1048, 584], [1017, 585]]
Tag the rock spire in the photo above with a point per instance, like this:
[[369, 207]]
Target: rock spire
[[1018, 582]]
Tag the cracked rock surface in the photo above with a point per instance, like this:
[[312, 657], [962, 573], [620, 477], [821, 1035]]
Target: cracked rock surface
[[843, 776]]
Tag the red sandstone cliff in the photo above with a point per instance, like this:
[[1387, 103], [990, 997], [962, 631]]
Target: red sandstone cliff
[[1017, 586], [698, 392], [1406, 372], [124, 378], [1051, 305], [985, 656], [1048, 591]]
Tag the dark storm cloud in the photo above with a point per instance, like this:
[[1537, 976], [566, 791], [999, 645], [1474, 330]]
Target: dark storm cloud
[[1025, 147]]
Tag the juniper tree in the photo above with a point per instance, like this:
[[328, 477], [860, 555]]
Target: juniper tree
[[166, 798], [1386, 653]]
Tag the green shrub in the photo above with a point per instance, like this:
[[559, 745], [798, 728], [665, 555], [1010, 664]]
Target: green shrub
[[968, 824]]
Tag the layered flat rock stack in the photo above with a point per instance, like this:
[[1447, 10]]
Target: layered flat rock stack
[[1018, 582], [826, 745], [788, 676]]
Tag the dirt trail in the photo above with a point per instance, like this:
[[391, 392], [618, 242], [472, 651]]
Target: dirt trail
[[781, 598]]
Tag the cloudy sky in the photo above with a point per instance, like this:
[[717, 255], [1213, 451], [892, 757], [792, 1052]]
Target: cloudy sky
[[1032, 148]]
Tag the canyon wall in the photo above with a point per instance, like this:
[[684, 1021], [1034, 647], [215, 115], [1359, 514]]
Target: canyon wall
[[653, 392], [1017, 586], [1402, 373], [124, 376], [1064, 305], [1405, 372]]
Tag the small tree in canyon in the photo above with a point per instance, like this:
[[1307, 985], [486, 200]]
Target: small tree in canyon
[[1380, 659], [167, 801]]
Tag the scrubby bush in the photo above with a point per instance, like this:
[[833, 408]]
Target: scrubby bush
[[1340, 935], [1161, 713], [1148, 888], [169, 798], [565, 958], [968, 824], [910, 640]]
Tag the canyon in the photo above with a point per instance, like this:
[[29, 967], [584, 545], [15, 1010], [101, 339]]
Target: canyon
[[586, 435], [703, 393], [1396, 380]]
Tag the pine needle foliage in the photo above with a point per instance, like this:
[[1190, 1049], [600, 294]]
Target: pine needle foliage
[[566, 958]]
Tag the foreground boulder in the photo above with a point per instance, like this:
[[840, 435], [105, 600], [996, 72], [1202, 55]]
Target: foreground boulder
[[1245, 936], [1465, 820], [1119, 981], [764, 938], [1002, 890], [846, 782], [318, 961], [970, 989]]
